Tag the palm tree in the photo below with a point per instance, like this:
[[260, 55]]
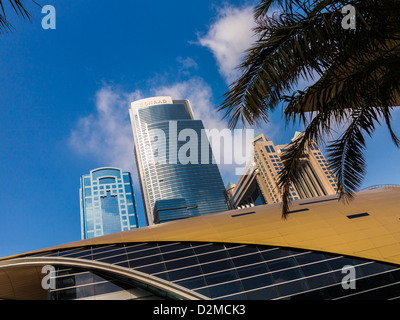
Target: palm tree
[[355, 76], [18, 8]]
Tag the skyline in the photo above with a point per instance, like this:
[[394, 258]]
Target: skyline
[[65, 99]]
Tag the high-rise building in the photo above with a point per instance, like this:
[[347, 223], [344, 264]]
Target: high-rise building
[[178, 176], [107, 202], [259, 182]]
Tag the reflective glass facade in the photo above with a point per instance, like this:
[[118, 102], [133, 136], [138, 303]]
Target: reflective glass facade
[[107, 202], [175, 162], [235, 271], [172, 209]]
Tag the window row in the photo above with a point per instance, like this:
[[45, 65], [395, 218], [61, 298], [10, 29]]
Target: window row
[[297, 275]]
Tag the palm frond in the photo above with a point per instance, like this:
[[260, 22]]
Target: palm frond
[[358, 84], [18, 8], [293, 169], [5, 26], [346, 154], [290, 48]]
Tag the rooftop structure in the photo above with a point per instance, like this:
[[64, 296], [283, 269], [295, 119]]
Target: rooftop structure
[[247, 253]]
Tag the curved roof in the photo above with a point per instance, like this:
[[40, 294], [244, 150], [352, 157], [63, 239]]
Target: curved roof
[[366, 227], [21, 278]]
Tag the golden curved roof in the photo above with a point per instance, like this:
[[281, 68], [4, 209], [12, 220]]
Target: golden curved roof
[[367, 227]]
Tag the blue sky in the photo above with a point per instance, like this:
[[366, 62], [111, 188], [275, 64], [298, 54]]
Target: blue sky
[[65, 93]]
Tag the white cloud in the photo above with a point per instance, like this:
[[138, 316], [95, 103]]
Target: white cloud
[[185, 64], [228, 37], [106, 137], [106, 134]]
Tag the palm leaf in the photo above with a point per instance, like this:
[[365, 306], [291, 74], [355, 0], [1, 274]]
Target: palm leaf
[[358, 80], [18, 8]]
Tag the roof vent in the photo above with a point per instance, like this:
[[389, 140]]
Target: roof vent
[[358, 215]]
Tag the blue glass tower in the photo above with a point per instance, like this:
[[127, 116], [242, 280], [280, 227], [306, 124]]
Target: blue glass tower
[[177, 171], [107, 202]]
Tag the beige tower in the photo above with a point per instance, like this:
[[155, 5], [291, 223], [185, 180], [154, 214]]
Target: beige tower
[[258, 185]]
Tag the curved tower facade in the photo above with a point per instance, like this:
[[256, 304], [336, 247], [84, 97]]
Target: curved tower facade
[[177, 173]]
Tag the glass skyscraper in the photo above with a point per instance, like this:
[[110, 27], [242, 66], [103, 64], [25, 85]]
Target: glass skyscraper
[[178, 176], [107, 202]]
